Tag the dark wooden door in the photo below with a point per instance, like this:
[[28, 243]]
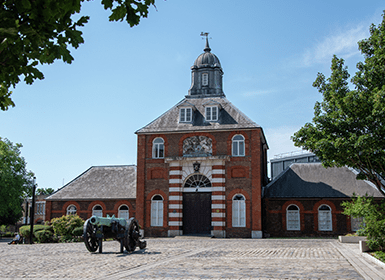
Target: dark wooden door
[[197, 213]]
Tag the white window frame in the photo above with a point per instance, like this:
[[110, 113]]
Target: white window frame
[[71, 211], [238, 146], [293, 218], [157, 147], [40, 208], [157, 211], [212, 113], [97, 213], [205, 79], [239, 211], [325, 222], [185, 114], [124, 213]]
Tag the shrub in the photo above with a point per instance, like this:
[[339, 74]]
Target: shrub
[[42, 227], [78, 231], [44, 236], [3, 228], [25, 231], [374, 219], [48, 230], [379, 255], [65, 225], [361, 232]]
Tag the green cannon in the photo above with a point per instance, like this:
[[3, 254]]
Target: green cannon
[[126, 232]]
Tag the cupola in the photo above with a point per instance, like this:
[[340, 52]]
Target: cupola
[[206, 74]]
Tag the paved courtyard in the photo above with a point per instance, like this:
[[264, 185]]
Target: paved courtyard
[[192, 258]]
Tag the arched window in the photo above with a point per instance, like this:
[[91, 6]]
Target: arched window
[[292, 218], [197, 181], [71, 210], [97, 211], [157, 211], [239, 211], [238, 146], [158, 148], [123, 212], [324, 218]]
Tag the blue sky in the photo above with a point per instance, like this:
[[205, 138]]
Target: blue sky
[[86, 113]]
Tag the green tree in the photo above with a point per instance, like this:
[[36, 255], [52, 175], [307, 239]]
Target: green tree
[[15, 182], [348, 128], [44, 191], [374, 219], [41, 31]]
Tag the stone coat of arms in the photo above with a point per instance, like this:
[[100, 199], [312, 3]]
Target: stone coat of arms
[[197, 146]]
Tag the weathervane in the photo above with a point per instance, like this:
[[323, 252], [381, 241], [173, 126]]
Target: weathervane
[[206, 34]]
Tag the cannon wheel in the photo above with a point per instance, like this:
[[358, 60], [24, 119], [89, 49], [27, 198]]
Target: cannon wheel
[[88, 232], [132, 239]]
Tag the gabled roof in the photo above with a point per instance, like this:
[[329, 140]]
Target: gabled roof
[[185, 103], [302, 180], [230, 118], [100, 182]]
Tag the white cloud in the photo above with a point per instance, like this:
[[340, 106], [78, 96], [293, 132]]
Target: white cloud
[[342, 44]]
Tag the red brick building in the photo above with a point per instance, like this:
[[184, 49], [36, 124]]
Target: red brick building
[[100, 191], [305, 200], [202, 164], [202, 170]]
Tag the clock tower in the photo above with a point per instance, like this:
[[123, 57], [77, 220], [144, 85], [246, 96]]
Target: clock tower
[[201, 164]]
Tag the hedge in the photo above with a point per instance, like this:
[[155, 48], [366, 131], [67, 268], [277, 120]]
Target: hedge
[[25, 231]]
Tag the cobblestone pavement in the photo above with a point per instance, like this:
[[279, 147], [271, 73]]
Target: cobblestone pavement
[[187, 258]]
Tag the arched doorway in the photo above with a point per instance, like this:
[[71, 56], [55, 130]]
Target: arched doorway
[[197, 205]]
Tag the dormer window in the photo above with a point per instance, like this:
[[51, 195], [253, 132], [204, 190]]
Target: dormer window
[[205, 79], [211, 113], [185, 115]]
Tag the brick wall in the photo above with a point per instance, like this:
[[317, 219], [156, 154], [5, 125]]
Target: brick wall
[[241, 173], [55, 209], [275, 217]]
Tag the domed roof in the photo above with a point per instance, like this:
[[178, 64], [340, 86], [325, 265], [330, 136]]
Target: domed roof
[[207, 59]]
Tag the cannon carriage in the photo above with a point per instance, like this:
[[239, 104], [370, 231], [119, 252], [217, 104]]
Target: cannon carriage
[[126, 232]]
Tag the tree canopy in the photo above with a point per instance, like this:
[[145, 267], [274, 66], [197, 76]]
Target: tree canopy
[[15, 182], [348, 128], [40, 32], [373, 225], [44, 191]]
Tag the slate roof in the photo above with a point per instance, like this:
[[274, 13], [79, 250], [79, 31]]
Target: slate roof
[[312, 180], [230, 117], [100, 182]]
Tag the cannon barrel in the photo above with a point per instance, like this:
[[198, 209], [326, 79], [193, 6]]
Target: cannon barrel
[[107, 221]]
